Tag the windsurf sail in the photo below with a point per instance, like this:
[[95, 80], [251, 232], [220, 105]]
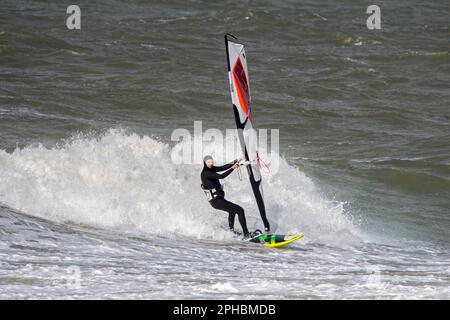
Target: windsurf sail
[[240, 97]]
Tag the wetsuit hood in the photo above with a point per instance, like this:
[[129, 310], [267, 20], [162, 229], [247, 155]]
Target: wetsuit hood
[[206, 158]]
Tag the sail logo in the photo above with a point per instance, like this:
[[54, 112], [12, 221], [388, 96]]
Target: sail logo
[[191, 147]]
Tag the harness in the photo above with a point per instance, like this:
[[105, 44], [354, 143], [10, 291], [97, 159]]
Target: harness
[[213, 193]]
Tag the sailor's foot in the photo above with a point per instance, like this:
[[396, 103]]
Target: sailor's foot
[[257, 232], [251, 235], [236, 232]]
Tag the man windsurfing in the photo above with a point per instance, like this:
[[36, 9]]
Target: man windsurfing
[[213, 189]]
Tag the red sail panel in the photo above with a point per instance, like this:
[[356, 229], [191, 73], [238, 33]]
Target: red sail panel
[[241, 84]]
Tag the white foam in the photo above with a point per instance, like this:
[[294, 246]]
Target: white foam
[[125, 181]]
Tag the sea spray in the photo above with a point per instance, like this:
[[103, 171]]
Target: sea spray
[[128, 182]]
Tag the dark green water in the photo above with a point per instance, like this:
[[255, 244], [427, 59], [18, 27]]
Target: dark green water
[[364, 113]]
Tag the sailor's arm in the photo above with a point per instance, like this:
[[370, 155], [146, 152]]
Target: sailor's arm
[[215, 175], [226, 166]]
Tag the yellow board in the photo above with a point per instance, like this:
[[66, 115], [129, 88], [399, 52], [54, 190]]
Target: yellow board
[[283, 243]]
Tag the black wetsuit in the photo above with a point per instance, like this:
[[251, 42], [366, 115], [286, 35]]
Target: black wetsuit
[[210, 180]]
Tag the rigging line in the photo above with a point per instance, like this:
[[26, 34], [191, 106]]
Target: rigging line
[[259, 160]]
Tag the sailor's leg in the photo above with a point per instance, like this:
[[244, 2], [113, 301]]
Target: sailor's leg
[[231, 216], [236, 209], [242, 220], [232, 209]]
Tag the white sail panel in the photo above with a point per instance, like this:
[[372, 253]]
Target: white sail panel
[[240, 95]]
